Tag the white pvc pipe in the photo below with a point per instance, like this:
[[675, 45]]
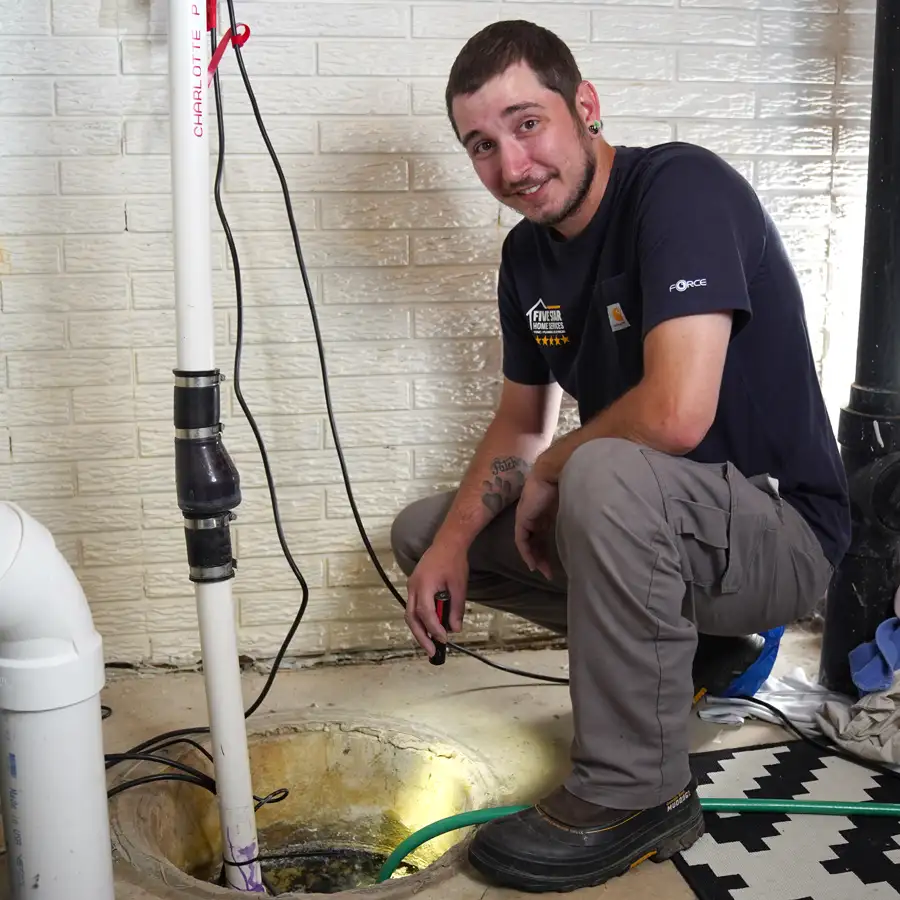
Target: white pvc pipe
[[234, 788], [54, 803], [52, 769], [190, 123]]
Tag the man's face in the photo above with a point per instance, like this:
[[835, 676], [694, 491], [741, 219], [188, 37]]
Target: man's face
[[526, 146]]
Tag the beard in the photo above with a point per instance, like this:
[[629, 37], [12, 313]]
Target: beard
[[573, 202]]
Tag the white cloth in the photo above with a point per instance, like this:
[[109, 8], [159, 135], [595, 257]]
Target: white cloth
[[794, 694], [870, 728]]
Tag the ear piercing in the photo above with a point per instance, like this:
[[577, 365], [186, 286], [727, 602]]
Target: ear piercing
[[595, 126]]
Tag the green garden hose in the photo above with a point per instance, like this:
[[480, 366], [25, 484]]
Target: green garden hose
[[709, 804], [442, 826]]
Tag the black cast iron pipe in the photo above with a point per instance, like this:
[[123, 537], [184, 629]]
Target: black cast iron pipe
[[862, 591]]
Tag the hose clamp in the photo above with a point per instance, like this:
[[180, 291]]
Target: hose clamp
[[209, 523], [211, 573], [199, 381], [197, 434]]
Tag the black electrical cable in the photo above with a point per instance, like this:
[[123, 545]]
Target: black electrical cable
[[171, 737], [238, 351], [826, 747], [139, 753], [325, 380], [201, 779], [182, 735], [207, 780], [198, 747], [150, 779]]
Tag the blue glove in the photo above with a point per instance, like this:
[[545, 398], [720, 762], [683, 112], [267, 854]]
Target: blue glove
[[873, 663], [755, 675]]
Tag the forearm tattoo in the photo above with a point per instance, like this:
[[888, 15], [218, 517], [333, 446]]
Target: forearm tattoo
[[509, 477]]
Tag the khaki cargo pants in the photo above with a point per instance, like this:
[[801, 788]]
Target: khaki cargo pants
[[650, 549]]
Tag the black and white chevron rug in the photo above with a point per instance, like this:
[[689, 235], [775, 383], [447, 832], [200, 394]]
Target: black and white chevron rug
[[773, 856]]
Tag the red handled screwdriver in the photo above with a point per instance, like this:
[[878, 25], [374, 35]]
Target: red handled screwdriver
[[442, 607]]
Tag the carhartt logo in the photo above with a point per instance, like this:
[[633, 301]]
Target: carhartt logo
[[547, 325], [617, 320], [683, 285]]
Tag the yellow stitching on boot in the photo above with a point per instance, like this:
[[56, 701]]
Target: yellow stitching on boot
[[572, 828], [644, 858]]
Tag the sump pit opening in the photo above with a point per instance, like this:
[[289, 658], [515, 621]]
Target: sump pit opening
[[357, 787], [313, 869]]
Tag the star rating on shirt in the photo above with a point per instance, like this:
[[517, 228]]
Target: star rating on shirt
[[547, 341]]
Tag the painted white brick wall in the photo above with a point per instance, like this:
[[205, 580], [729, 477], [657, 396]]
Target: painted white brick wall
[[402, 245]]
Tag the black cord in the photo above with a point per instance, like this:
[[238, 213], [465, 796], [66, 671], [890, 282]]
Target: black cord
[[198, 747], [169, 736], [828, 747], [207, 780], [149, 779], [140, 752], [325, 381], [238, 351], [182, 735], [274, 797], [172, 737]]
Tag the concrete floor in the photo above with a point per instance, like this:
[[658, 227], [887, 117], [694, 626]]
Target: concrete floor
[[521, 728]]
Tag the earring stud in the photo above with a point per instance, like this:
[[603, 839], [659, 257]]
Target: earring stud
[[594, 127]]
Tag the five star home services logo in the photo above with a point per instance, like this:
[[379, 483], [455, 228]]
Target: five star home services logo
[[546, 325]]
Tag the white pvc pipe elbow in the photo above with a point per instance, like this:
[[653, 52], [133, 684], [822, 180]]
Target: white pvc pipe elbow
[[52, 767]]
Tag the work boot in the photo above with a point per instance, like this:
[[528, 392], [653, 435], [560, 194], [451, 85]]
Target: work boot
[[565, 843], [719, 660]]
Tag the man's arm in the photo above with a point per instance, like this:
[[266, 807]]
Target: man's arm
[[697, 218], [522, 429], [523, 426], [673, 405]]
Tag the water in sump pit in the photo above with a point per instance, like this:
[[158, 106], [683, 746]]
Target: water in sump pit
[[325, 859], [325, 870]]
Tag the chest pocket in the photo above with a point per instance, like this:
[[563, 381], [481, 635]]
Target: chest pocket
[[610, 359]]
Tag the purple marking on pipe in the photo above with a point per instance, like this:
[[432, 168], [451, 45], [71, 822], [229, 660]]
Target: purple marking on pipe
[[245, 854]]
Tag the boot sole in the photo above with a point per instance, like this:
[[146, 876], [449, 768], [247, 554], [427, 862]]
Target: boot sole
[[659, 849]]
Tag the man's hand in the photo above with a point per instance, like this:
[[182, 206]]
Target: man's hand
[[440, 568], [535, 517]]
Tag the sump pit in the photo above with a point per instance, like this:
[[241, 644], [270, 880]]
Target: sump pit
[[356, 788], [313, 869]]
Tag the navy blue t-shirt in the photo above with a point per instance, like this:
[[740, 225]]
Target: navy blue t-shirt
[[680, 232]]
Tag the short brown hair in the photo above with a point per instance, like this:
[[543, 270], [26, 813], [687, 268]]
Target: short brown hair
[[500, 45]]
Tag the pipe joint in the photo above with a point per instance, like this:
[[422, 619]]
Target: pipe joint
[[207, 481], [871, 453], [868, 434], [50, 654], [209, 549], [875, 490]]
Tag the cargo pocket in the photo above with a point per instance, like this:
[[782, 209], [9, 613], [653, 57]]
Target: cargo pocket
[[720, 542], [704, 541], [753, 520]]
